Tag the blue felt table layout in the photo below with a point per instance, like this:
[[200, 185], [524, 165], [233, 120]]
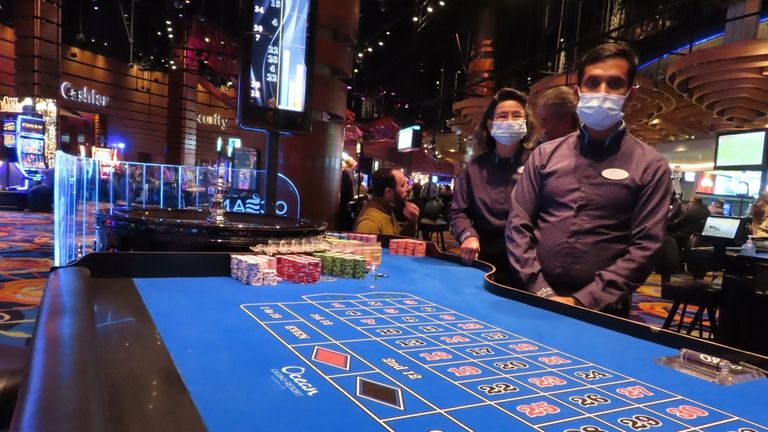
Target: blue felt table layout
[[427, 349]]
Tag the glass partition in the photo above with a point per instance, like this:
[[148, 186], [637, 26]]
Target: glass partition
[[84, 186]]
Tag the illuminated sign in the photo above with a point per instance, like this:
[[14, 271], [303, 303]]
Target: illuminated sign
[[31, 126], [9, 126], [277, 65], [83, 94], [255, 204], [13, 105], [213, 120]]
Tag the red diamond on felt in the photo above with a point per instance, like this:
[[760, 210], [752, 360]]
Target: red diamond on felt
[[330, 357]]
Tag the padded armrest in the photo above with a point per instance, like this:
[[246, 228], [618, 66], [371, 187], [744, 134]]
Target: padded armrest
[[63, 391]]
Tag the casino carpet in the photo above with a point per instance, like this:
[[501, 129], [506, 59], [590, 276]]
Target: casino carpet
[[26, 255]]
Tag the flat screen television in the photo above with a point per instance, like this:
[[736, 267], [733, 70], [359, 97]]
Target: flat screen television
[[409, 139], [725, 230], [740, 149], [277, 54]]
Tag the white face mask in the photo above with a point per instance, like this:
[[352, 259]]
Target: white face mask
[[600, 111], [508, 132]]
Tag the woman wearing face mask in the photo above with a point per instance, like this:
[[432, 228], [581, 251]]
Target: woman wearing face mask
[[480, 205]]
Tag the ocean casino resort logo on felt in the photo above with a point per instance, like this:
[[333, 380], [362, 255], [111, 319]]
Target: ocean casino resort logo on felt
[[292, 376]]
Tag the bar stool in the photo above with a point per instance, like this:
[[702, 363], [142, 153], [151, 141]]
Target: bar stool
[[429, 226], [692, 293]]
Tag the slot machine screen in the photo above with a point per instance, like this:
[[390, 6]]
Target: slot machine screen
[[27, 145]]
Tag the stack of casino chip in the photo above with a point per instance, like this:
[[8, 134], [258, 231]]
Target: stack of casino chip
[[365, 238], [254, 270], [407, 247], [344, 265], [298, 268]]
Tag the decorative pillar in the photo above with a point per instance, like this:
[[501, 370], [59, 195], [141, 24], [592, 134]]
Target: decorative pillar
[[38, 48], [313, 161], [181, 137]]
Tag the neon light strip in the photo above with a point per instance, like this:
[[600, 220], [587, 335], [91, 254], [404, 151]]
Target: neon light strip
[[684, 47]]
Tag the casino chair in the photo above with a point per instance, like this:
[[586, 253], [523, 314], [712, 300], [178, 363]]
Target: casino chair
[[352, 210], [668, 258], [696, 293], [431, 221]]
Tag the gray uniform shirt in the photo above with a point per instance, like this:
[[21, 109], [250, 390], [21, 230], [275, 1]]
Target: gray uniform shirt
[[586, 218]]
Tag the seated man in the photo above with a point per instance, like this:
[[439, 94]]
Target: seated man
[[389, 187]]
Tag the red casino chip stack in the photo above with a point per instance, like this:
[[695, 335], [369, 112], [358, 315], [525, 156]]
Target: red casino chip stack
[[298, 268], [407, 247]]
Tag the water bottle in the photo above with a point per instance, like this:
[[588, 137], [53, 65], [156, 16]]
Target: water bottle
[[748, 248]]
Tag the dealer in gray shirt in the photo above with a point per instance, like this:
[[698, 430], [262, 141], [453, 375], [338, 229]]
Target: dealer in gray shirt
[[587, 216]]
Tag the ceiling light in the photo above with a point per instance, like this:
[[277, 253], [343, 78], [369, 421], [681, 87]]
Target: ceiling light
[[95, 7], [415, 19], [167, 22], [222, 42], [173, 67], [381, 43], [356, 70], [370, 49], [207, 39], [159, 33], [388, 33], [441, 3], [170, 29], [359, 54], [429, 9], [170, 36]]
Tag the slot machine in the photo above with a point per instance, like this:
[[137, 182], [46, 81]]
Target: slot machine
[[30, 146]]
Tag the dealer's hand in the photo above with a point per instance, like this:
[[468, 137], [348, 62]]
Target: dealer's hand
[[469, 249], [411, 212]]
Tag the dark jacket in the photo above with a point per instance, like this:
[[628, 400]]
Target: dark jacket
[[691, 221]]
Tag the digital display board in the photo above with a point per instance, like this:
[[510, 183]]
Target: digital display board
[[409, 138], [725, 230], [740, 149], [276, 70]]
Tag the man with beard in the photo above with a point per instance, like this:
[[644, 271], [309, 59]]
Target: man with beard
[[389, 187]]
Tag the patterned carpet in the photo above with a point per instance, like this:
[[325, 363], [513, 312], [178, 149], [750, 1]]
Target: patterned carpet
[[26, 256]]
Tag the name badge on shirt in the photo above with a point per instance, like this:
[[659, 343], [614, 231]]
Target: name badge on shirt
[[615, 174], [520, 169]]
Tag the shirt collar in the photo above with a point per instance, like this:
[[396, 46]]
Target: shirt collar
[[514, 157], [612, 139]]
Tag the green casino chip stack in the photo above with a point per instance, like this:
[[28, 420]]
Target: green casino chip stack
[[344, 265]]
